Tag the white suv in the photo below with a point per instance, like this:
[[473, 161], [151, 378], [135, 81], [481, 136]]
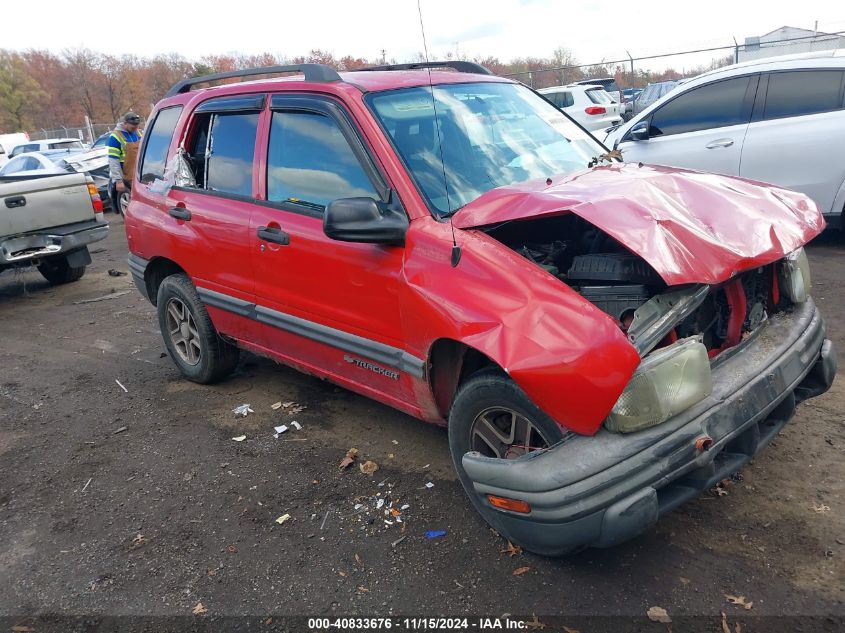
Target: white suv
[[591, 106], [779, 120]]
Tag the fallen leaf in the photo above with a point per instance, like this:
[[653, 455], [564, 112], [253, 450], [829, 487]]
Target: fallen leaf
[[535, 623], [821, 508], [268, 621], [658, 614], [233, 549], [520, 570], [211, 572], [363, 590], [199, 609], [358, 560], [395, 512], [342, 573], [684, 581], [369, 467], [282, 518], [721, 492], [739, 600], [512, 550], [138, 540], [725, 627], [351, 454], [276, 405]]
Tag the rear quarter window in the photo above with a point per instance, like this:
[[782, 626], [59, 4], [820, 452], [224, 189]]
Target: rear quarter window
[[803, 92], [158, 137], [714, 105]]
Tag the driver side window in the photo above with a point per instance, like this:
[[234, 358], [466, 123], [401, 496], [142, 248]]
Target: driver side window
[[310, 162]]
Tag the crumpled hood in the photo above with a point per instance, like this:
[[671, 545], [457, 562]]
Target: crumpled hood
[[691, 227]]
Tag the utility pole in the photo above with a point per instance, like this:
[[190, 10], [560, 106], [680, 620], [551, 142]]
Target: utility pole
[[383, 56]]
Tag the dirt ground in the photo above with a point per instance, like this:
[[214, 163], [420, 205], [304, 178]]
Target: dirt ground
[[139, 502]]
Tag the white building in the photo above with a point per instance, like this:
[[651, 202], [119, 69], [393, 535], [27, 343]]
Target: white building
[[787, 40]]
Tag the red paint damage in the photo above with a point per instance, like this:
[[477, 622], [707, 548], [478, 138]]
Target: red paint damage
[[689, 226]]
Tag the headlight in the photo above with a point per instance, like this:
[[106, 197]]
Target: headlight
[[794, 276], [668, 381]]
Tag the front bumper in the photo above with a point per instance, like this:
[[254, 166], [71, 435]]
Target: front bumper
[[599, 491], [23, 249]]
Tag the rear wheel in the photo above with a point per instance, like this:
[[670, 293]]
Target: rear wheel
[[189, 335], [493, 416], [57, 271], [122, 202]]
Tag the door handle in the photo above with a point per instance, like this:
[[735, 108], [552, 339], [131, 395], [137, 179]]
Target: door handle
[[180, 213], [274, 235], [16, 202], [722, 142]]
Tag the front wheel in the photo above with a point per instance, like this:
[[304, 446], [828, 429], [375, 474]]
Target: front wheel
[[57, 271], [493, 416], [189, 335]]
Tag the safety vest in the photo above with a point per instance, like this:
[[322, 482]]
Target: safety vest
[[127, 153]]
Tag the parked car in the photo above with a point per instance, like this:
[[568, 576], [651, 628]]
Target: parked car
[[589, 105], [8, 142], [34, 163], [651, 93], [604, 341], [779, 120], [48, 221], [45, 144]]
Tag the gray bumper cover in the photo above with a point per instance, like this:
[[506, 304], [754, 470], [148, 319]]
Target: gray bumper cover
[[601, 490], [20, 249]]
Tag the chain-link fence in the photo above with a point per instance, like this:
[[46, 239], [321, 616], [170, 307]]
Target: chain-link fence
[[633, 72], [85, 133]]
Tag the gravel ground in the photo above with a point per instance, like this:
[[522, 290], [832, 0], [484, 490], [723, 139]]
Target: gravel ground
[[138, 502]]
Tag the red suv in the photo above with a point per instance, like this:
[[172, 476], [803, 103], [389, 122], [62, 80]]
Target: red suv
[[603, 340]]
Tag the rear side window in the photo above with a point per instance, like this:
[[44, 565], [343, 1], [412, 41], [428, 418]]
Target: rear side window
[[560, 99], [231, 147], [311, 163], [803, 92], [158, 135], [715, 105]]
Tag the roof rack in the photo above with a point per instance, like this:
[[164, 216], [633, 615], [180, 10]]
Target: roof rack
[[318, 73], [460, 66]]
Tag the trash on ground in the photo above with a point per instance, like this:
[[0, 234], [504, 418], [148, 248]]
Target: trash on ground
[[120, 384], [294, 408], [121, 430], [113, 272], [139, 539], [395, 442], [369, 467], [520, 570], [113, 295], [280, 429], [536, 624], [296, 425], [242, 410], [276, 405], [239, 438], [351, 455], [435, 533], [429, 485], [379, 503], [512, 550], [323, 524], [399, 540], [199, 609], [405, 507], [232, 549], [86, 484], [821, 508], [740, 601], [282, 518], [658, 614]]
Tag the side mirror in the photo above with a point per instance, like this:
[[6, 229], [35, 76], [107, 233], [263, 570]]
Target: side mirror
[[639, 132], [364, 220]]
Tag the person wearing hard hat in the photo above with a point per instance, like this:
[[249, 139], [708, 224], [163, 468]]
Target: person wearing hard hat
[[123, 145]]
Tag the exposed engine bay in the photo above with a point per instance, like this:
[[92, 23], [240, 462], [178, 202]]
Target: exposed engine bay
[[619, 282]]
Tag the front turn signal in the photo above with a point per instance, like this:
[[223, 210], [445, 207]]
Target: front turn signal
[[514, 505]]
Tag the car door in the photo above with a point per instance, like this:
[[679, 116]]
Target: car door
[[796, 138], [702, 128], [327, 304]]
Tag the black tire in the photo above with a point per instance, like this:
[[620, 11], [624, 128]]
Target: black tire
[[487, 390], [196, 348], [57, 271]]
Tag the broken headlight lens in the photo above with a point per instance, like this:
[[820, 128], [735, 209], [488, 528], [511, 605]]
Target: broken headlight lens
[[795, 279], [668, 381]]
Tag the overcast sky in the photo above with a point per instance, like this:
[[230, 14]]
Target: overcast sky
[[594, 30]]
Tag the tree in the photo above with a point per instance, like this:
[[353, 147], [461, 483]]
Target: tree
[[19, 94]]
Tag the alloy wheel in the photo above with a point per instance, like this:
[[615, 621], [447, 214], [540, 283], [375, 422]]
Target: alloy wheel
[[183, 332], [505, 434]]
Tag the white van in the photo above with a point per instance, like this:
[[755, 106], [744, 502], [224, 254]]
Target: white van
[[779, 120], [8, 142]]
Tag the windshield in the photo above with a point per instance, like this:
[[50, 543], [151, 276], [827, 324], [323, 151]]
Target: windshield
[[67, 145], [492, 134]]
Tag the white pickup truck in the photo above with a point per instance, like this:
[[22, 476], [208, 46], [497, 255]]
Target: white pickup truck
[[48, 221]]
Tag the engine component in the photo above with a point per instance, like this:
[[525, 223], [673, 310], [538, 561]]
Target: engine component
[[623, 267], [616, 301]]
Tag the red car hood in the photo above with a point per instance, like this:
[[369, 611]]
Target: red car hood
[[690, 227]]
